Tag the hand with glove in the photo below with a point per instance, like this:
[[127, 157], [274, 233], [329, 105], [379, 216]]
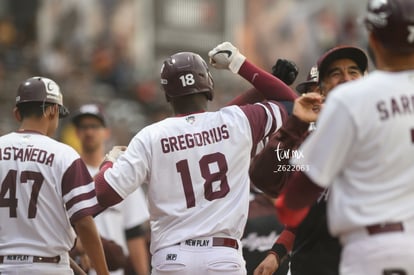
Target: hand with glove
[[115, 153], [285, 70], [226, 56]]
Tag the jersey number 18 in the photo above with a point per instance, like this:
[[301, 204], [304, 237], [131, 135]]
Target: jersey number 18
[[208, 176]]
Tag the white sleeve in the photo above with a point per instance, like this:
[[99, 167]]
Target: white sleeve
[[327, 149], [131, 169]]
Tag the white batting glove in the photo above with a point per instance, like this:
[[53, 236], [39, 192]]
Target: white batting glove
[[226, 56], [115, 153]]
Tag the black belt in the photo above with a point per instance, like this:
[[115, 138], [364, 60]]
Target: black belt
[[385, 227], [221, 241], [36, 259]]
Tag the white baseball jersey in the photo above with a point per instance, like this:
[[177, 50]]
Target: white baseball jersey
[[44, 187], [363, 149], [196, 167]]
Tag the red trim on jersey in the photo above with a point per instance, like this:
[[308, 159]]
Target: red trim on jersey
[[77, 175], [106, 195], [270, 86]]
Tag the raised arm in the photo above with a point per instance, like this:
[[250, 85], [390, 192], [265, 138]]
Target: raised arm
[[267, 86]]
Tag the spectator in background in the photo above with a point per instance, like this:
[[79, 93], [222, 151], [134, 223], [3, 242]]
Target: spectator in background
[[124, 223]]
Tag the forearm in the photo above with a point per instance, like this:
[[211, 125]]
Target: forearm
[[88, 234], [105, 194], [138, 252], [268, 85], [248, 97], [284, 244]]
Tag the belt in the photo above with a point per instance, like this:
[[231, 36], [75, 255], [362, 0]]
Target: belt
[[380, 228], [25, 258], [385, 227], [216, 241]]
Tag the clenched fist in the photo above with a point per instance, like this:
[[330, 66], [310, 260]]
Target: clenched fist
[[226, 56], [115, 153]]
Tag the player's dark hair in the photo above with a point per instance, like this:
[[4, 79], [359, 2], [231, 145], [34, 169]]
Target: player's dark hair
[[32, 109]]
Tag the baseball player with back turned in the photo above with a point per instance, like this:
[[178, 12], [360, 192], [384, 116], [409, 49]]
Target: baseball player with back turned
[[363, 149], [196, 167], [45, 189]]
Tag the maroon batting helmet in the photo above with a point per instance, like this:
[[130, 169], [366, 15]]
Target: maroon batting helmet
[[392, 23], [42, 90], [186, 73]]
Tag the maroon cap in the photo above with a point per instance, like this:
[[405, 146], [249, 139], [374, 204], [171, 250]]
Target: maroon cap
[[95, 110], [312, 79], [342, 52]]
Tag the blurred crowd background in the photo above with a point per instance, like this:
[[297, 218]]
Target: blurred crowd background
[[111, 51]]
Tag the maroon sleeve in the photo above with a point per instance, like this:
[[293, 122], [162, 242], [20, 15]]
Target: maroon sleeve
[[295, 200], [301, 191], [248, 97], [257, 117], [75, 176], [267, 84], [106, 195], [263, 169]]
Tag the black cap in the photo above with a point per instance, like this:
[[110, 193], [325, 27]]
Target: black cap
[[312, 79], [95, 110]]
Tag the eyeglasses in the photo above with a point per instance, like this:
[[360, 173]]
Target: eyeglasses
[[90, 126]]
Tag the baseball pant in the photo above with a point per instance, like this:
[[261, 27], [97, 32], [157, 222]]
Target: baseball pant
[[182, 259], [389, 253]]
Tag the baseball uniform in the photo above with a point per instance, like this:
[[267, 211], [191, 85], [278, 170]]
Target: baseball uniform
[[45, 187], [362, 149], [196, 168]]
